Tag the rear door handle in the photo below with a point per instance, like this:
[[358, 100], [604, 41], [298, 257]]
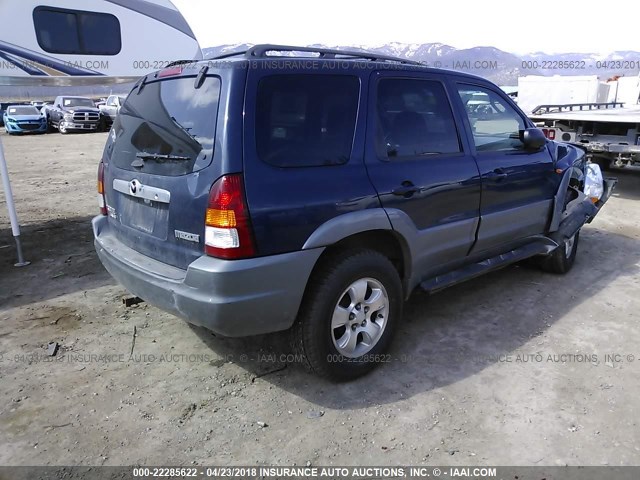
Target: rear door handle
[[497, 175], [406, 190]]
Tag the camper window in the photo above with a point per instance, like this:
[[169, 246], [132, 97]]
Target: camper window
[[66, 31]]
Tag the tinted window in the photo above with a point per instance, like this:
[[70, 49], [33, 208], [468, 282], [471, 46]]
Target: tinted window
[[169, 117], [495, 124], [306, 120], [99, 34], [77, 32], [414, 119]]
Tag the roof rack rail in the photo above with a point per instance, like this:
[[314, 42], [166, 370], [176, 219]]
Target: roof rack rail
[[260, 51], [571, 107]]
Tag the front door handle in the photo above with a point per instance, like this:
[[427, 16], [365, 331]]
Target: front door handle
[[406, 190]]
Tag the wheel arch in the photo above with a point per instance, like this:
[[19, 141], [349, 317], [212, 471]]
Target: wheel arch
[[365, 229]]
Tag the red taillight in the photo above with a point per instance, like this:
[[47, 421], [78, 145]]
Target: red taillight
[[227, 225], [102, 203], [550, 133]]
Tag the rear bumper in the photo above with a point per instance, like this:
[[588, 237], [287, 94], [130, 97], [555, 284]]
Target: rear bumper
[[233, 298]]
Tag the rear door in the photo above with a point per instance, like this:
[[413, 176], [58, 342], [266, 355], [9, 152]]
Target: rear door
[[422, 167], [165, 150], [304, 141], [517, 184]]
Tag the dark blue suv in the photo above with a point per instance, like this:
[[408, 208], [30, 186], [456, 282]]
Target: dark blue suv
[[257, 192]]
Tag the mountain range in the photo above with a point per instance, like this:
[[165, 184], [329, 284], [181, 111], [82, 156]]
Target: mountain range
[[501, 67]]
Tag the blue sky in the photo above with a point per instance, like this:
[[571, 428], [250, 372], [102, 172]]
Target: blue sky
[[550, 26]]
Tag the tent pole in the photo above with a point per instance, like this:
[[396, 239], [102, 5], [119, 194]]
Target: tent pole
[[13, 217]]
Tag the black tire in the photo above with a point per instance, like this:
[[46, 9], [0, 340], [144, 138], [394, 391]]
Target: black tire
[[562, 258], [313, 335]]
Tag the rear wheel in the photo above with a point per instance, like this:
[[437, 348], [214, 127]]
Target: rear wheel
[[348, 316], [562, 258]]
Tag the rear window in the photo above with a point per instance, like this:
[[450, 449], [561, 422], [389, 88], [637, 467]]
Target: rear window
[[168, 128], [306, 120]]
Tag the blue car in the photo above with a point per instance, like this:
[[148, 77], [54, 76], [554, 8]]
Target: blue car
[[23, 119]]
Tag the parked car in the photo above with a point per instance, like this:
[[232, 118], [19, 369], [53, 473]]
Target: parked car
[[20, 119], [316, 194], [3, 108], [110, 109], [73, 114]]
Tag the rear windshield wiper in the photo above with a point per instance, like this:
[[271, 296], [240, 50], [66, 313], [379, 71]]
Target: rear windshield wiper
[[159, 156]]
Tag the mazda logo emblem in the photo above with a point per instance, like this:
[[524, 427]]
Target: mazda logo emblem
[[133, 186]]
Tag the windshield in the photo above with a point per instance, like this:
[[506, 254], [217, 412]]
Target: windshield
[[23, 111], [77, 102], [164, 123]]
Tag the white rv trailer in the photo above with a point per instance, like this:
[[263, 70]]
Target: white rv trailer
[[82, 43], [90, 42], [605, 119]]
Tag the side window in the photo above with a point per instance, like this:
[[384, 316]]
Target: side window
[[111, 102], [496, 126], [77, 32], [306, 120], [414, 119]]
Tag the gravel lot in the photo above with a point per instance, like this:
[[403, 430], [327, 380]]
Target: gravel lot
[[507, 369]]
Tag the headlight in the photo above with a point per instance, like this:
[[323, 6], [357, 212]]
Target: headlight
[[68, 116], [9, 119]]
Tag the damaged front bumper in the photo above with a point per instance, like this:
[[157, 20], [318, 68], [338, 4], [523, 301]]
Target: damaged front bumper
[[608, 184], [580, 211]]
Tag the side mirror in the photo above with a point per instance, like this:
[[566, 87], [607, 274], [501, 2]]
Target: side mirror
[[533, 139]]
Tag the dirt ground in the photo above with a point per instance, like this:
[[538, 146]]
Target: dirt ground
[[508, 369]]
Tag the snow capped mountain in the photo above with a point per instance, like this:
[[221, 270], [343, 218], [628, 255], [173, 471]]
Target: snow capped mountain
[[497, 65]]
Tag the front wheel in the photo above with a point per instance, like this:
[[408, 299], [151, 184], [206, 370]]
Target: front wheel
[[562, 258], [62, 129], [349, 314]]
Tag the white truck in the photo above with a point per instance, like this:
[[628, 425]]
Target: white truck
[[601, 116]]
